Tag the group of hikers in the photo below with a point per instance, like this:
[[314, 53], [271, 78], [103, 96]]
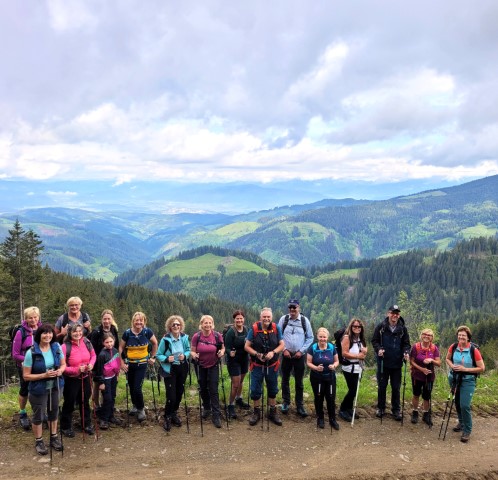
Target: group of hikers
[[79, 364]]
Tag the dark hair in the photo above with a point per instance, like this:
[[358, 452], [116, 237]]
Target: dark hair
[[464, 328], [106, 336], [349, 331], [44, 328], [238, 312]]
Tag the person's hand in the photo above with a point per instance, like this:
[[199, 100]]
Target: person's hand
[[232, 353], [102, 387], [332, 366], [380, 353], [171, 358], [124, 367], [194, 355], [89, 367], [319, 368], [82, 368], [151, 361], [87, 324], [287, 354], [181, 357], [298, 354], [428, 360]]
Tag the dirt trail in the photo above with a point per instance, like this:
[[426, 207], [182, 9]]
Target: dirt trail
[[295, 451]]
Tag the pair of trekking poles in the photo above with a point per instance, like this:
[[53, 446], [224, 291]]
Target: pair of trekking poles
[[455, 385]]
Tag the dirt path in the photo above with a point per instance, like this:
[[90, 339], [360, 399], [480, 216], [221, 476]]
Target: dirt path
[[295, 451]]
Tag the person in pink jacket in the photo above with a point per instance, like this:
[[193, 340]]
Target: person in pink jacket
[[80, 359], [23, 341]]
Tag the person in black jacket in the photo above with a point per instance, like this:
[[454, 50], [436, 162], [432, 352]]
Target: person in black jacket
[[391, 343]]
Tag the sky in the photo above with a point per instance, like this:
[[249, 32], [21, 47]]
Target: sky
[[363, 92]]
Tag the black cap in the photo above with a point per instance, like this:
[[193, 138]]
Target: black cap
[[394, 309]]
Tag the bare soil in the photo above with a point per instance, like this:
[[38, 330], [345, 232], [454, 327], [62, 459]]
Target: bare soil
[[297, 450]]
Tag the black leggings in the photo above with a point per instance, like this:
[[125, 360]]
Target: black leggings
[[175, 385], [324, 389]]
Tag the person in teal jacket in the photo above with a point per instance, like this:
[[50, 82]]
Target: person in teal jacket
[[173, 355]]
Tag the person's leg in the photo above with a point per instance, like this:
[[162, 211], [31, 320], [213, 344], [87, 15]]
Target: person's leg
[[382, 382], [39, 407], [213, 381], [87, 389], [286, 369], [105, 411], [271, 378], [318, 396], [467, 389], [72, 388], [395, 377], [330, 394], [256, 391], [299, 368], [352, 383]]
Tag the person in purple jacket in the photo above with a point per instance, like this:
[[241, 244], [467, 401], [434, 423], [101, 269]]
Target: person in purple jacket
[[23, 341]]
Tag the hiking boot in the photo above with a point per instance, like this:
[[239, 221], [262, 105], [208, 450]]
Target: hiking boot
[[55, 443], [465, 437], [68, 432], [457, 427], [320, 423], [427, 419], [141, 415], [24, 421], [240, 402], [415, 416], [167, 424], [380, 413], [397, 416], [176, 420], [284, 408], [40, 447], [216, 421], [231, 411], [356, 416], [115, 421], [255, 417], [206, 412], [345, 415], [133, 411], [89, 429], [333, 423], [302, 412], [103, 425], [273, 416]]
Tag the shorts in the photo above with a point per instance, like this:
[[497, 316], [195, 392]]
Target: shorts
[[422, 387], [237, 367]]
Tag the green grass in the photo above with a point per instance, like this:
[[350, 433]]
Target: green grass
[[478, 230], [341, 273]]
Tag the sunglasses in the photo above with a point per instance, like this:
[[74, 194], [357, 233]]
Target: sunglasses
[[176, 325], [357, 326], [292, 308]]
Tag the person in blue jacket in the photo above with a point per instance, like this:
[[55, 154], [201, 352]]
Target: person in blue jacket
[[391, 343], [173, 355]]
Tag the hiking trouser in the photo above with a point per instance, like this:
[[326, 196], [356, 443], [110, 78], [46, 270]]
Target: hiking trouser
[[174, 385], [136, 377], [352, 383], [208, 382], [48, 402], [269, 375], [298, 366], [324, 390], [72, 395], [109, 396], [394, 376], [463, 400]]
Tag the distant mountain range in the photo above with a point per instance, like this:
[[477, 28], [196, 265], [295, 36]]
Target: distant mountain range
[[104, 244]]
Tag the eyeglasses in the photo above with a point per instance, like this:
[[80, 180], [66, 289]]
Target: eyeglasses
[[292, 308], [176, 325], [74, 305], [427, 335]]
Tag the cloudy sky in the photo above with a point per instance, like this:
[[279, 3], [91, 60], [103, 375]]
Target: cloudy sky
[[219, 91]]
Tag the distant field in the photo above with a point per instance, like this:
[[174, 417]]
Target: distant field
[[350, 273], [478, 230], [208, 263]]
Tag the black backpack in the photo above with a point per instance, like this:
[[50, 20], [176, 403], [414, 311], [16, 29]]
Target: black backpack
[[69, 345], [286, 321], [65, 318], [13, 332], [338, 334]]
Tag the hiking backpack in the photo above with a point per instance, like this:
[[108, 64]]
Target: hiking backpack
[[338, 334], [13, 332], [65, 318], [473, 347], [286, 321], [69, 345]]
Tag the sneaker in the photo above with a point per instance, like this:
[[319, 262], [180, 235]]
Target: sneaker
[[68, 432], [465, 437], [255, 417], [302, 412], [397, 416], [273, 416], [457, 427], [427, 419], [55, 443], [24, 421], [333, 423], [103, 425], [40, 447], [176, 420], [141, 415], [231, 411], [167, 424], [415, 416], [89, 429], [345, 416], [206, 413], [240, 402], [216, 421], [115, 421], [380, 413], [320, 423], [133, 411], [284, 408]]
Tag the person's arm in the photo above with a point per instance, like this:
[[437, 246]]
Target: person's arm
[[336, 362], [122, 348], [308, 339], [161, 351], [376, 339], [186, 347], [17, 354], [193, 347], [221, 351], [153, 341]]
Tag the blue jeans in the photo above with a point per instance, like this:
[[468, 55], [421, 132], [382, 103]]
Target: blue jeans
[[269, 375]]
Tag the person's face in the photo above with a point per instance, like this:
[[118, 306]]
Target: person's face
[[356, 328], [265, 318], [109, 343], [77, 333], [138, 322], [207, 324], [239, 321], [426, 337], [74, 307], [293, 311], [176, 327], [462, 337], [107, 321], [322, 337], [32, 320], [46, 337], [393, 317]]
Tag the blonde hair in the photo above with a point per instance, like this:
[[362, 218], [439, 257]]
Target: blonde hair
[[427, 331], [29, 310], [108, 311], [171, 320], [74, 300], [139, 314], [323, 329]]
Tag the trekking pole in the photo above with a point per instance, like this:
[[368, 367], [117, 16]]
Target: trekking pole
[[49, 414], [331, 395], [83, 406], [381, 381], [454, 389], [445, 410], [430, 385], [220, 365], [185, 398], [94, 407], [196, 371], [357, 391], [153, 391], [262, 398], [267, 403], [319, 393], [404, 388], [127, 401], [249, 390], [59, 414]]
